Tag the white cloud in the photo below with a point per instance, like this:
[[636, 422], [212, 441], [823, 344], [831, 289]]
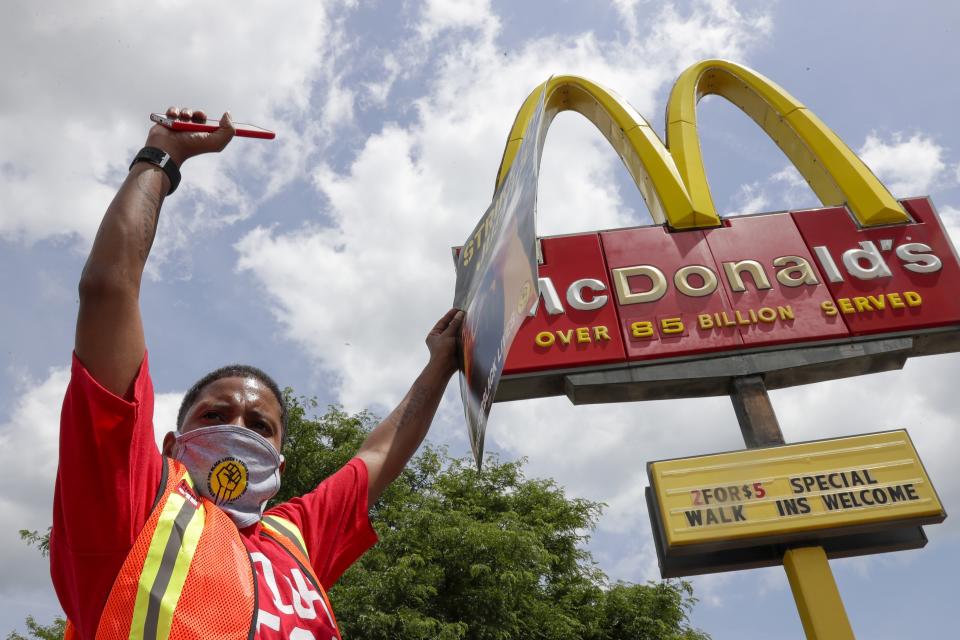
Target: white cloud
[[439, 15], [907, 166], [749, 198], [950, 217], [628, 13], [791, 191], [789, 176], [377, 92], [165, 408], [359, 292], [599, 451], [28, 461], [782, 190], [80, 79]]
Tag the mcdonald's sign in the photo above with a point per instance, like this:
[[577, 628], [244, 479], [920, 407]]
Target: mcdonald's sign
[[852, 495], [799, 296]]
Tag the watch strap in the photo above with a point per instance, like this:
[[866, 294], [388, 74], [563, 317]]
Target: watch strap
[[162, 159]]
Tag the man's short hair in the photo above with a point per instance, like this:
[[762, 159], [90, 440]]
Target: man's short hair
[[235, 371]]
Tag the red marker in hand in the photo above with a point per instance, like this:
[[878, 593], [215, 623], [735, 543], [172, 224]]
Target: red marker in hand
[[197, 121]]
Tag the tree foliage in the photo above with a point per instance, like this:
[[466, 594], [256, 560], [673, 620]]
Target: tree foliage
[[37, 631], [464, 555], [36, 539], [488, 555]]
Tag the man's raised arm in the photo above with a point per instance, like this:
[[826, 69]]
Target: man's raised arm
[[393, 442], [109, 340]]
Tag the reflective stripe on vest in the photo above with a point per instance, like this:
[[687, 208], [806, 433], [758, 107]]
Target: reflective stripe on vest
[[171, 552], [187, 549], [288, 535], [288, 530]]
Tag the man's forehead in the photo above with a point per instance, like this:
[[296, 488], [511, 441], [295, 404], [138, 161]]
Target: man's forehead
[[236, 388]]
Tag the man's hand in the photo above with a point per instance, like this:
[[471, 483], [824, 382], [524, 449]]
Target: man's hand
[[442, 342], [183, 145]]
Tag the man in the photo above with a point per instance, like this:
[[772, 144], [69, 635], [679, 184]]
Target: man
[[146, 545]]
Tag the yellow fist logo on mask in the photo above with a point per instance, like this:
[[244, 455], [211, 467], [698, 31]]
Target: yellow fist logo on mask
[[227, 480]]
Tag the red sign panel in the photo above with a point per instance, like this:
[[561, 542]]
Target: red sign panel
[[656, 319], [890, 278], [772, 279], [763, 264], [576, 323]]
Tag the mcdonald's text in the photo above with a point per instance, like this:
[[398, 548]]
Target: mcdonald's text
[[645, 293]]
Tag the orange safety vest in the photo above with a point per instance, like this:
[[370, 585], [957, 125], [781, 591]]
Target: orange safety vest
[[188, 575]]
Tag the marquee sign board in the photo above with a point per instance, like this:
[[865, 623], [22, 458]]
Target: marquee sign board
[[634, 297], [828, 492]]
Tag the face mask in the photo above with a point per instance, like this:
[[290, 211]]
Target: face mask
[[233, 467]]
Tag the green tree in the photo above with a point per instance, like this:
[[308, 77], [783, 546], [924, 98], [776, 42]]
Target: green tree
[[36, 539], [488, 555], [38, 631], [469, 555], [35, 630]]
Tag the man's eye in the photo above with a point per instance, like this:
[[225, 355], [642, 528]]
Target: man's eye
[[211, 415]]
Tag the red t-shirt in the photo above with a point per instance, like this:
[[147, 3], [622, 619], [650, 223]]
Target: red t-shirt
[[107, 480]]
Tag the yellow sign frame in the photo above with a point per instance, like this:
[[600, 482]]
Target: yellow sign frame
[[795, 492]]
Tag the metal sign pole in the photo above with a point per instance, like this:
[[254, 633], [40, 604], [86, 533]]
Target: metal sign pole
[[808, 570]]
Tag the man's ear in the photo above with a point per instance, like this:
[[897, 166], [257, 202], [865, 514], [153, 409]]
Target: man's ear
[[283, 464], [168, 441]]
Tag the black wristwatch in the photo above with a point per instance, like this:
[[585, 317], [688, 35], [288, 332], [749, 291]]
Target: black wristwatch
[[163, 160]]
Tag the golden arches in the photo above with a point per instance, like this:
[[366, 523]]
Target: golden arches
[[674, 183], [637, 144], [831, 169]]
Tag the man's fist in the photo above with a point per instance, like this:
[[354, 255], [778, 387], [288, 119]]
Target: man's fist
[[182, 145]]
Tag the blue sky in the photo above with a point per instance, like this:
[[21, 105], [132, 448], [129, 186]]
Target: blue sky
[[323, 256]]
